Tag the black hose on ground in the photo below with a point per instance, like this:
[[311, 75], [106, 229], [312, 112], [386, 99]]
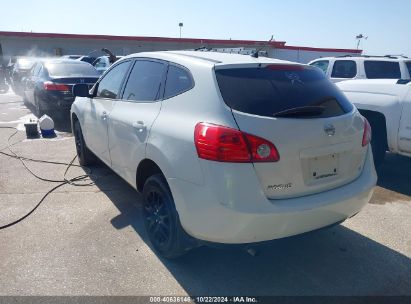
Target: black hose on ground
[[75, 181]]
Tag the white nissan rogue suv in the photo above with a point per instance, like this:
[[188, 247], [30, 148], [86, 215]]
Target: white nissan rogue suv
[[226, 148]]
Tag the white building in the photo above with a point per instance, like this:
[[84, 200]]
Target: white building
[[48, 44]]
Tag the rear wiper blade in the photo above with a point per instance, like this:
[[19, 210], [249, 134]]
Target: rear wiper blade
[[301, 111]]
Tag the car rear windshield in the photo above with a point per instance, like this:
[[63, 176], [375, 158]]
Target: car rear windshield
[[71, 70], [382, 69], [278, 89]]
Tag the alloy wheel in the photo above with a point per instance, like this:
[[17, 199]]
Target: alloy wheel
[[157, 217]]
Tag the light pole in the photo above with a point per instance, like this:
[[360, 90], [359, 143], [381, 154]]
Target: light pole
[[359, 38], [180, 25]]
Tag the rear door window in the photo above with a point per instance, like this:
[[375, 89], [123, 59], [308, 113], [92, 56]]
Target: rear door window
[[277, 88], [378, 69], [145, 81], [178, 81], [344, 69], [110, 85], [322, 65]]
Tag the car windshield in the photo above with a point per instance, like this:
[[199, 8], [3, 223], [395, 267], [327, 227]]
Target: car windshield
[[294, 90], [71, 69]]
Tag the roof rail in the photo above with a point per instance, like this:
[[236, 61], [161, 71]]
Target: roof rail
[[364, 56], [374, 56], [397, 56], [391, 56], [241, 51]]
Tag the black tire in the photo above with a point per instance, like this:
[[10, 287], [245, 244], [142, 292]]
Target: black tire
[[85, 156], [161, 219], [378, 142]]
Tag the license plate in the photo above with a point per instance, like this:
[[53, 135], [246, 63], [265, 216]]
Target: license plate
[[323, 167]]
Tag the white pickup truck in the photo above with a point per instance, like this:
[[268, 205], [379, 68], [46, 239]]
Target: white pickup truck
[[386, 103]]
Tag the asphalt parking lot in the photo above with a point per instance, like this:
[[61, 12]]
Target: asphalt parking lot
[[91, 240]]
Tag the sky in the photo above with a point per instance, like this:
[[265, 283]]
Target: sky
[[314, 23]]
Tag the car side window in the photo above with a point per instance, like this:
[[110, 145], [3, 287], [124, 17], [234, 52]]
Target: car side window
[[110, 85], [144, 82], [375, 69], [322, 65], [344, 69], [178, 81]]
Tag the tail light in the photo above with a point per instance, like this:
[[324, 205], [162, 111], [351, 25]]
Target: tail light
[[218, 143], [366, 138], [51, 86]]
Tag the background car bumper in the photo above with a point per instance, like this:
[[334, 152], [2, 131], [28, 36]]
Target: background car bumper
[[55, 102], [251, 217]]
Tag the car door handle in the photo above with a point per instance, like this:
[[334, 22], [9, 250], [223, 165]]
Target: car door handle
[[104, 115], [139, 126]]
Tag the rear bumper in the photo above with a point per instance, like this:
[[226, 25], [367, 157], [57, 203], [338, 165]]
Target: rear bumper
[[241, 213], [56, 102]]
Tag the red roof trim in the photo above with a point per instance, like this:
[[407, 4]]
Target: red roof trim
[[276, 44], [136, 38], [313, 49]]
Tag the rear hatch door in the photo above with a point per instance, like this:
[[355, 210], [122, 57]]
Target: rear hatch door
[[316, 130]]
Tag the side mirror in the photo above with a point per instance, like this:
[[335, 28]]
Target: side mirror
[[81, 90]]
